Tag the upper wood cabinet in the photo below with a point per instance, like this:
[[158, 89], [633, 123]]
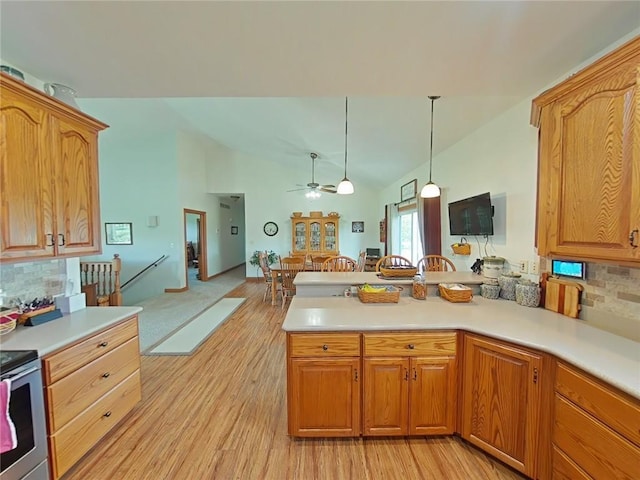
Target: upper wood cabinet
[[315, 235], [589, 161], [49, 183], [501, 401]]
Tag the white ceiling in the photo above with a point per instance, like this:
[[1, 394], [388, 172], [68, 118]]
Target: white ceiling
[[269, 78]]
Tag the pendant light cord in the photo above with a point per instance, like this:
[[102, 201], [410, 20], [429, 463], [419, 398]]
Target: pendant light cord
[[433, 99], [346, 123]]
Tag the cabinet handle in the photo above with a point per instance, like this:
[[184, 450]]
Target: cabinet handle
[[535, 375], [406, 374], [106, 375], [415, 375], [103, 344], [108, 414], [61, 237], [49, 239], [325, 347], [632, 238], [355, 375], [411, 346]]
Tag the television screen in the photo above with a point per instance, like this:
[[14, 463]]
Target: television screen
[[567, 268], [471, 216]]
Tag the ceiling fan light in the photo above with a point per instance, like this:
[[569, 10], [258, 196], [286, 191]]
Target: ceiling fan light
[[345, 187], [313, 194], [430, 190]]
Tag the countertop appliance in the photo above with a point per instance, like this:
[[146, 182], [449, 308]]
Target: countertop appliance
[[28, 461]]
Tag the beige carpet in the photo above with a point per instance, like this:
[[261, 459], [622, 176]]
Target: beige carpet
[[163, 315]]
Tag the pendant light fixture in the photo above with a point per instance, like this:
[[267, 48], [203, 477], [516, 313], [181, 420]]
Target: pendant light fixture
[[431, 190], [345, 187]]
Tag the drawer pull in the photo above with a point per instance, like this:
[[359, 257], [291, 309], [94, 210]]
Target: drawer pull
[[411, 346], [103, 344], [106, 375], [325, 347], [108, 414]]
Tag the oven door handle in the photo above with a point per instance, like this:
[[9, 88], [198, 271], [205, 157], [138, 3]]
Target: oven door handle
[[18, 376]]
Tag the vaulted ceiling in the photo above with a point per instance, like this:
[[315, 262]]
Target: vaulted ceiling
[[270, 78]]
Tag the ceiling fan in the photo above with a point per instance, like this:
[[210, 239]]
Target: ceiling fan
[[313, 187]]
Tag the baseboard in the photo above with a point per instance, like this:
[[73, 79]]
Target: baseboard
[[210, 277], [176, 290]]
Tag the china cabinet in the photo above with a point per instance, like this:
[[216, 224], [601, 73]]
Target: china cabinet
[[589, 161], [315, 235], [49, 184]]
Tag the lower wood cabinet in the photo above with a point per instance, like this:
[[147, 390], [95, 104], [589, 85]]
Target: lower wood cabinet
[[89, 387], [501, 401], [596, 431], [411, 390], [323, 387]]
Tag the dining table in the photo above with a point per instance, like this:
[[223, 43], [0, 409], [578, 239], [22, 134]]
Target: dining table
[[276, 270]]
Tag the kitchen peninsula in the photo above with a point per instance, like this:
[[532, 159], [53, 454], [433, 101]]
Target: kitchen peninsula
[[518, 382]]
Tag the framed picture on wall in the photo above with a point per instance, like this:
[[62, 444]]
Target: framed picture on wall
[[357, 227], [408, 190], [234, 230], [118, 233]]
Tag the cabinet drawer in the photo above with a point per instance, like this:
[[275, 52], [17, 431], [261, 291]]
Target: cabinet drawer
[[74, 393], [616, 410], [61, 364], [324, 344], [565, 469], [70, 443], [409, 344], [594, 447]]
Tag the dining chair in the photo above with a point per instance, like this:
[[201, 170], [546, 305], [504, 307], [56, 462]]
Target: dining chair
[[393, 261], [339, 263], [290, 266], [435, 263], [362, 259], [263, 262], [316, 262]]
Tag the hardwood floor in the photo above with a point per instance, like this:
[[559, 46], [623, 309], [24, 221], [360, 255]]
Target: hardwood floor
[[221, 414]]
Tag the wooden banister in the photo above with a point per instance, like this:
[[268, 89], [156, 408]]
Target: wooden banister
[[103, 278]]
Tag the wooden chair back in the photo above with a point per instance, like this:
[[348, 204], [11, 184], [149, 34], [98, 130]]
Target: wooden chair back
[[100, 282], [393, 261], [297, 262], [290, 267], [362, 259], [316, 262], [339, 263], [435, 263]]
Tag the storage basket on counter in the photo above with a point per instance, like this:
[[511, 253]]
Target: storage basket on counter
[[508, 282], [528, 293], [454, 292], [490, 291], [398, 271], [389, 295]]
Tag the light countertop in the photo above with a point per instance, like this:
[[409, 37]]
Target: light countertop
[[51, 336], [609, 357], [359, 278]]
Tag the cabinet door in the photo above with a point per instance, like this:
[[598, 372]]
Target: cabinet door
[[433, 402], [324, 397], [78, 222], [26, 179], [299, 232], [330, 240], [589, 179], [386, 396], [315, 236], [501, 399]]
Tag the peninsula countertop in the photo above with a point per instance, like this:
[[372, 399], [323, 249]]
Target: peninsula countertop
[[51, 336], [359, 278], [609, 357]]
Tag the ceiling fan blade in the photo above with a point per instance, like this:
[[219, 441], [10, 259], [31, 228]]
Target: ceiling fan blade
[[327, 190], [297, 189], [327, 186]]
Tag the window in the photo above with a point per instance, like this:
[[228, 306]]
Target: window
[[410, 244]]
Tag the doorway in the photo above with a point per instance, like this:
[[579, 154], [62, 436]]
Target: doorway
[[195, 234]]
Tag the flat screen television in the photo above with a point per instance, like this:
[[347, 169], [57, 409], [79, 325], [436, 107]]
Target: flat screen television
[[471, 216]]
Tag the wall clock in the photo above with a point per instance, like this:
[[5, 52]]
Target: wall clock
[[270, 228]]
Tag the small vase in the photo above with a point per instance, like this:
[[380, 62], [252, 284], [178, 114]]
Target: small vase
[[62, 93]]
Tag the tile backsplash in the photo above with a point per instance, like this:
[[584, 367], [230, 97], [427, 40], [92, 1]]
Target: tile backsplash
[[29, 280]]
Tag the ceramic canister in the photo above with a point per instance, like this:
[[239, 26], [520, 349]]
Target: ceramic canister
[[527, 293], [508, 282], [492, 267]]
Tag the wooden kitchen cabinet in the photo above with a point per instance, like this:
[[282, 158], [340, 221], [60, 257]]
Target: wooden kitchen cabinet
[[49, 183], [89, 387], [596, 430], [323, 386], [501, 401], [315, 235], [589, 161], [410, 383]]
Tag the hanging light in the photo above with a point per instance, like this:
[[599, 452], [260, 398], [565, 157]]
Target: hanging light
[[345, 187], [431, 190]]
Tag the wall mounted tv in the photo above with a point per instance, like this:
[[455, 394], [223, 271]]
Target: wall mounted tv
[[471, 216]]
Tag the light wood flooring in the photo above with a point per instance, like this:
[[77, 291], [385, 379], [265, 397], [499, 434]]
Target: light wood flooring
[[221, 414]]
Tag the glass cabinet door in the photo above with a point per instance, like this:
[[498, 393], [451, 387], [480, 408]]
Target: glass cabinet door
[[330, 237], [300, 233], [315, 237]]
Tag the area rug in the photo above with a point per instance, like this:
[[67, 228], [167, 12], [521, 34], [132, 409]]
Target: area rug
[[188, 338]]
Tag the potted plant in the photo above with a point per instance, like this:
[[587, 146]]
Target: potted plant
[[272, 258]]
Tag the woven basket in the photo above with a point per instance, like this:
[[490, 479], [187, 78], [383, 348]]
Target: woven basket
[[391, 295], [8, 321], [398, 271], [455, 295], [461, 248]]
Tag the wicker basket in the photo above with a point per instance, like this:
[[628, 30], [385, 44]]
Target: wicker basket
[[391, 295], [456, 295], [461, 248], [315, 214], [398, 271], [8, 321]]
